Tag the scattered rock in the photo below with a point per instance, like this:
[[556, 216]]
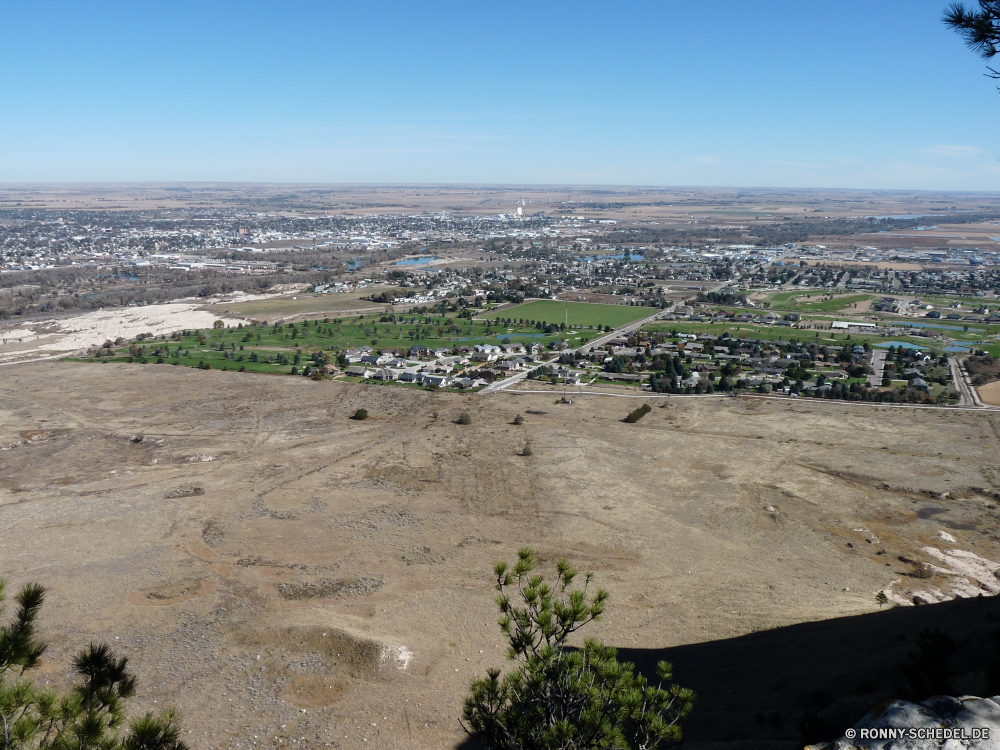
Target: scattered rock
[[422, 556], [184, 492], [212, 533], [330, 589]]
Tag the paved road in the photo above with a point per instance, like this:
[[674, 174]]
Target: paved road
[[878, 368], [625, 329], [500, 385], [968, 396], [959, 381], [966, 391]]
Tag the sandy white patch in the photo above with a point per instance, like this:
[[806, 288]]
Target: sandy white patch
[[83, 331], [237, 297], [399, 656], [968, 576]]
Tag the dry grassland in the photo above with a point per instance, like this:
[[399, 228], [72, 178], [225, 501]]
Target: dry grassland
[[303, 305], [278, 570], [990, 393]]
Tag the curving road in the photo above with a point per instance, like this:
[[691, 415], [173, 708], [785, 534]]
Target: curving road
[[499, 385]]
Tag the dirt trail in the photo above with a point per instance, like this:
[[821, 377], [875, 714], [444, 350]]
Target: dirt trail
[[278, 570]]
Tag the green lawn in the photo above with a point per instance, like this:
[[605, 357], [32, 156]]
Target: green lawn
[[832, 305], [788, 301], [234, 348], [782, 297], [968, 301], [803, 335], [580, 313]]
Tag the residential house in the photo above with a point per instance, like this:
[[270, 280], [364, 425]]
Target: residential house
[[441, 381], [437, 368]]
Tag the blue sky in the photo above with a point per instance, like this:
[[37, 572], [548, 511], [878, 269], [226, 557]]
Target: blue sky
[[862, 94]]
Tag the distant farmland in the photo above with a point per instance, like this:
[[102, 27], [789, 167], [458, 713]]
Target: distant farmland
[[580, 313]]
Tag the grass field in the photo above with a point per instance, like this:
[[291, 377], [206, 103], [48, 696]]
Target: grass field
[[792, 301], [310, 304], [832, 305], [580, 313], [753, 331], [783, 298], [979, 336], [967, 301], [233, 348]]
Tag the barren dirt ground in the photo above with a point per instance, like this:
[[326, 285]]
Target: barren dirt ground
[[990, 393], [284, 574]]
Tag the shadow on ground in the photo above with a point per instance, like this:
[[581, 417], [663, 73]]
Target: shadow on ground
[[807, 683]]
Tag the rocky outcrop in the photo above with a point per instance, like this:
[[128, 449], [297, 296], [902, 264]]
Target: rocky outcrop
[[940, 722], [966, 576]]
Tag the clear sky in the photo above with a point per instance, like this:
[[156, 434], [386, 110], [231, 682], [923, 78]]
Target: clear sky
[[853, 93]]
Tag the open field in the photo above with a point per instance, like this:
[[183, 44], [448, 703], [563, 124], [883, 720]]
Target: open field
[[280, 308], [816, 302], [762, 331], [21, 341], [277, 570], [815, 327], [251, 346], [990, 393], [580, 313]]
